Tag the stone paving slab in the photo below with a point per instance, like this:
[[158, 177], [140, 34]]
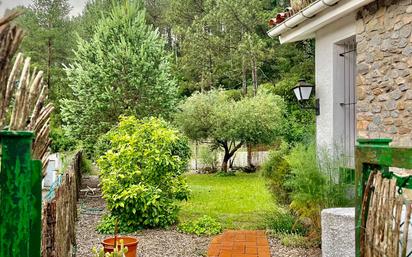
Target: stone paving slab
[[240, 243]]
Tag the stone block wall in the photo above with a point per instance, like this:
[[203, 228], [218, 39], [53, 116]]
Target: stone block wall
[[384, 64]]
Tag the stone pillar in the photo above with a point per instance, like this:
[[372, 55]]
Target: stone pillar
[[338, 232]]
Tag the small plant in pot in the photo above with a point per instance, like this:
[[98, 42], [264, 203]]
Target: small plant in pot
[[117, 252], [119, 246]]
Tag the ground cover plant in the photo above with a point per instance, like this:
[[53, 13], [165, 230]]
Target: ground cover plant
[[141, 172], [205, 225], [236, 202]]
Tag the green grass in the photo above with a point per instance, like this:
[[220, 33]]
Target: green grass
[[237, 202]]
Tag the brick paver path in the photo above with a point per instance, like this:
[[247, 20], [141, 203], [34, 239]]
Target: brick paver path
[[239, 243]]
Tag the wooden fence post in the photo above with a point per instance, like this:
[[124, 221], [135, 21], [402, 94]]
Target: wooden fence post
[[20, 196]]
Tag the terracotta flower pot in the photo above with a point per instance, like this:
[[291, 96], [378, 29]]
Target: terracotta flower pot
[[129, 242]]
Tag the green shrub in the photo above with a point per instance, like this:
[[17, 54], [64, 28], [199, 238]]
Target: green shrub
[[107, 226], [276, 169], [205, 225], [141, 173], [208, 158], [297, 240], [86, 165], [60, 141], [284, 222], [313, 185]]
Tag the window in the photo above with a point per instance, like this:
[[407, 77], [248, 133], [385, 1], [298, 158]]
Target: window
[[347, 69]]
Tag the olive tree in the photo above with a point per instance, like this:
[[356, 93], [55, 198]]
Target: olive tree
[[230, 124]]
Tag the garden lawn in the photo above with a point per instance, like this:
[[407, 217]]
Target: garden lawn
[[237, 202]]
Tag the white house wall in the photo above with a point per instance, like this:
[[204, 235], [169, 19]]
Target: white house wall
[[328, 83]]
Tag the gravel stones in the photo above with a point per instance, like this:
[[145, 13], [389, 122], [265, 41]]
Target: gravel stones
[[279, 250]]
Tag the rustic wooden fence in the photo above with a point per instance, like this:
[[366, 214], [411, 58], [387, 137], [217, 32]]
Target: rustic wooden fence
[[383, 213], [60, 213]]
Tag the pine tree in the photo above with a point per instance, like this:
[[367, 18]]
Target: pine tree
[[49, 40], [122, 70]]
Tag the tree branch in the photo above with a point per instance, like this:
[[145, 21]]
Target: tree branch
[[237, 147]]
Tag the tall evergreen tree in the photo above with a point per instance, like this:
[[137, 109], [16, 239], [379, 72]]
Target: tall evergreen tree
[[49, 40], [122, 70]]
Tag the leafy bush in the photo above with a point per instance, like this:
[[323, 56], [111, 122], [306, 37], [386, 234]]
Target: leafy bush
[[277, 170], [208, 158], [107, 226], [205, 225], [141, 172], [313, 185], [86, 165], [299, 126], [60, 141], [284, 222], [297, 240]]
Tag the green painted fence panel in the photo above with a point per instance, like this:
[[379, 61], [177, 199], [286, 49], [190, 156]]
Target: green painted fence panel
[[20, 196]]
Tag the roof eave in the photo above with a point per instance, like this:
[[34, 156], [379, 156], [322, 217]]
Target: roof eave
[[304, 28]]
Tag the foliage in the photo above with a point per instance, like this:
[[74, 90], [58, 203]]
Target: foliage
[[284, 222], [209, 158], [116, 253], [313, 185], [86, 165], [236, 202], [49, 41], [277, 170], [60, 142], [297, 240], [107, 226], [230, 124], [299, 124], [205, 225], [122, 69], [236, 51], [141, 172]]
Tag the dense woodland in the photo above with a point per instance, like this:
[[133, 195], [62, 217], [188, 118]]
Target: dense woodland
[[194, 45]]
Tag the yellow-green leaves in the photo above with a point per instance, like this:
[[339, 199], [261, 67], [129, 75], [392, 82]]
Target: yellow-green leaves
[[141, 172]]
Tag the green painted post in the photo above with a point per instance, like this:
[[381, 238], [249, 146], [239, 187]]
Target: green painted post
[[20, 189], [35, 218], [362, 174]]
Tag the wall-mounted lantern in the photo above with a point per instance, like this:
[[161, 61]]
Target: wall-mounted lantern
[[303, 91]]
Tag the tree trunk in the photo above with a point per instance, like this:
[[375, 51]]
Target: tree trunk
[[229, 152], [249, 156], [254, 76], [169, 37], [49, 53], [244, 78], [210, 73], [225, 161], [202, 83]]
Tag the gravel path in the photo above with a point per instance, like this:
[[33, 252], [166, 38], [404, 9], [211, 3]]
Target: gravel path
[[154, 243], [279, 250]]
